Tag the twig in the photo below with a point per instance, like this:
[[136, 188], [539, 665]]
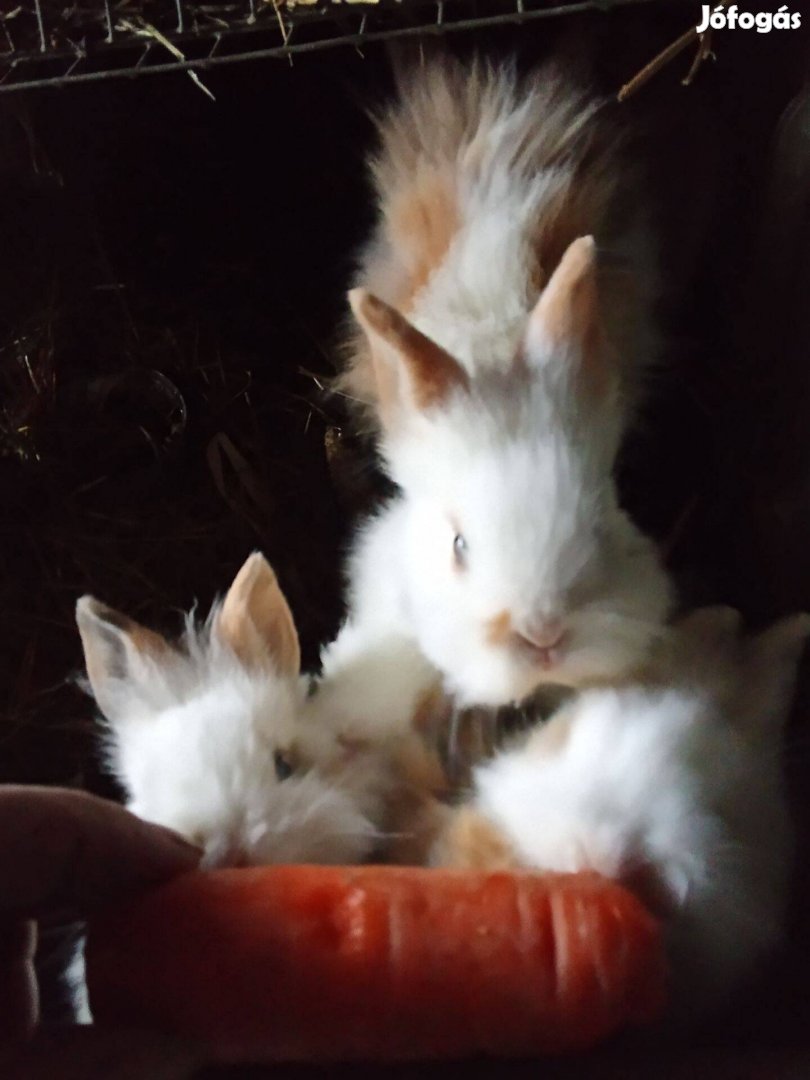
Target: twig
[[703, 53], [145, 29], [285, 35], [281, 26], [675, 49]]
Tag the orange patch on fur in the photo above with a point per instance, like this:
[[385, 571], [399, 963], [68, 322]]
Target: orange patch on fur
[[422, 221], [416, 813], [430, 372], [499, 629], [471, 842], [147, 641], [97, 656], [420, 767], [143, 640], [416, 823]]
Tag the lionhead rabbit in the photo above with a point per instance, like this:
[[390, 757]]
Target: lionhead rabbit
[[212, 736], [673, 786], [500, 351]]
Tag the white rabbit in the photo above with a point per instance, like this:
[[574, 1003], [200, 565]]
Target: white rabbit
[[505, 558], [214, 738], [673, 787]]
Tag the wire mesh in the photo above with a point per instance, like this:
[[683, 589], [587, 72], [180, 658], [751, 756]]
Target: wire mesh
[[46, 43]]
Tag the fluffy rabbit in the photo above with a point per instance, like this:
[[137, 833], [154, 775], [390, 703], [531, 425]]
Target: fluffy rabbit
[[673, 786], [215, 737], [505, 558]]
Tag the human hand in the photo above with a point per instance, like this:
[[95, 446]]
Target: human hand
[[63, 854]]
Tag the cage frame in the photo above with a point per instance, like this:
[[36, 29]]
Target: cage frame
[[132, 47]]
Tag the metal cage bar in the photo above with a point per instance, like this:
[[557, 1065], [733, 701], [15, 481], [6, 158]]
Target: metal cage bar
[[96, 40]]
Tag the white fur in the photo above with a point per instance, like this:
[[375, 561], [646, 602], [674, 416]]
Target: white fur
[[511, 150], [522, 465], [545, 536], [682, 782], [192, 737], [371, 686]]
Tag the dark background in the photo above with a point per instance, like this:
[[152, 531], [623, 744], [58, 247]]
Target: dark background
[[172, 279]]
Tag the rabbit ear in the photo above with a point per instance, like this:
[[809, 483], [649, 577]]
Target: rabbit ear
[[566, 317], [404, 358], [117, 651], [256, 622]]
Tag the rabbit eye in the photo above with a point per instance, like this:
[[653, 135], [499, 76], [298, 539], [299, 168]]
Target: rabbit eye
[[460, 550], [284, 769]]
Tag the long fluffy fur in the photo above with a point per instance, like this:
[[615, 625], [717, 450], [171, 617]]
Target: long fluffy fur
[[673, 786], [482, 181], [192, 733]]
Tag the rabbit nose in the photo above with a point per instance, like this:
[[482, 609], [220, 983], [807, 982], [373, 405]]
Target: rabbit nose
[[542, 639]]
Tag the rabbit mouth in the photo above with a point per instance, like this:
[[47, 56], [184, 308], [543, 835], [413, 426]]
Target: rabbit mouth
[[537, 643], [543, 657]]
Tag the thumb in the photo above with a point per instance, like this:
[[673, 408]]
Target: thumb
[[63, 850]]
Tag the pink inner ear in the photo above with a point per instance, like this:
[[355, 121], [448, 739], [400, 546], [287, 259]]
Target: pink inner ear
[[567, 307], [256, 622]]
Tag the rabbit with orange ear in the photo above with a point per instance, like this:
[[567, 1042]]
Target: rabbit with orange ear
[[213, 736], [500, 358], [218, 737], [672, 785]]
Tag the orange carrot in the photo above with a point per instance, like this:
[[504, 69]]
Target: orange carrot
[[306, 963]]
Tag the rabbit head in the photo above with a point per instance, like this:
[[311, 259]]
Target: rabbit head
[[519, 567], [208, 736]]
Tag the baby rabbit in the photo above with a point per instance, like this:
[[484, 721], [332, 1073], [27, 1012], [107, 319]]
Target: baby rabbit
[[501, 358], [673, 787], [213, 738]]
